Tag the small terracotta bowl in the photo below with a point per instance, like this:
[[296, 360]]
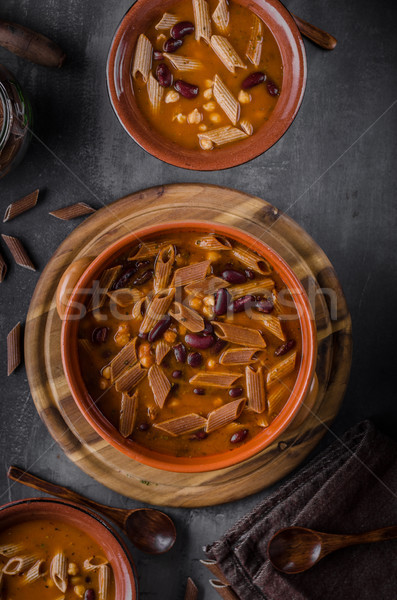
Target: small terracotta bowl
[[137, 20], [102, 533], [155, 459]]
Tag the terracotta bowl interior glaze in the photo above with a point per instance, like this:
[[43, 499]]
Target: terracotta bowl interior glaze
[[101, 532], [185, 464], [138, 19]]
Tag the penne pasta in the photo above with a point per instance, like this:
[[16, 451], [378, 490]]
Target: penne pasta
[[246, 126], [166, 22], [19, 564], [67, 213], [207, 286], [202, 20], [188, 317], [213, 242], [58, 571], [101, 287], [3, 268], [180, 425], [163, 267], [226, 100], [190, 273], [220, 16], [191, 592], [236, 334], [139, 309], [157, 309], [123, 360], [147, 250], [103, 582], [20, 206], [142, 58], [256, 393], [10, 550], [281, 369], [272, 324], [128, 413], [183, 63], [225, 414], [155, 92], [251, 260], [250, 287], [237, 356], [159, 385], [14, 355], [223, 135], [130, 378], [18, 251], [276, 399], [125, 296], [35, 572], [162, 349], [94, 563], [276, 302], [216, 380], [254, 48], [226, 53]]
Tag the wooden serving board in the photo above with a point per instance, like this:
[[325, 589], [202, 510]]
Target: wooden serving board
[[99, 459]]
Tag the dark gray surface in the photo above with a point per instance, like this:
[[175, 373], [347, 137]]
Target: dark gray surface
[[334, 172]]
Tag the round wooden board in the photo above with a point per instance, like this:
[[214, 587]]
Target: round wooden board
[[99, 459]]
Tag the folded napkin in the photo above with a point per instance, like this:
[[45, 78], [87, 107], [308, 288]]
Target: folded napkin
[[349, 488]]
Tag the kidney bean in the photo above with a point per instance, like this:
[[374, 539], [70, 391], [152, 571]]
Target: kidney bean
[[89, 595], [100, 335], [199, 435], [176, 374], [157, 55], [159, 328], [179, 30], [180, 353], [272, 88], [233, 276], [143, 277], [241, 304], [239, 436], [164, 75], [196, 341], [253, 79], [199, 391], [218, 346], [284, 348], [235, 392], [142, 263], [187, 90], [194, 359], [172, 45], [208, 328], [222, 298], [144, 426], [249, 273], [125, 276], [265, 306]]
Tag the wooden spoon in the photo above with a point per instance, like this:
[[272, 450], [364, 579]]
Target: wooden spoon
[[296, 549], [30, 45], [318, 36], [150, 530]]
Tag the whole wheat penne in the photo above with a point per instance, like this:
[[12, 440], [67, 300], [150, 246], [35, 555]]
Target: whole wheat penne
[[138, 309], [148, 249], [190, 273], [256, 393], [103, 582], [260, 286], [157, 309], [276, 399], [246, 126], [226, 100], [202, 20], [18, 252], [10, 550], [163, 267], [223, 135], [276, 302], [67, 213], [183, 63], [281, 369], [35, 572], [20, 206], [252, 260], [102, 286], [14, 349], [272, 324], [166, 22], [223, 589], [3, 268], [254, 48], [58, 571], [264, 420], [159, 385], [155, 92], [225, 414], [188, 317], [213, 242], [130, 378], [162, 349], [125, 296], [123, 360], [216, 379], [95, 562], [181, 425], [237, 356], [243, 336], [207, 286], [142, 58], [221, 16], [226, 53], [19, 564], [191, 592]]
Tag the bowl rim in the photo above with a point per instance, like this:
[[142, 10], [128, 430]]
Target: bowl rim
[[207, 463], [227, 156], [19, 508]]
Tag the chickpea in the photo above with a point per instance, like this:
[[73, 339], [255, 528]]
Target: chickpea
[[180, 117], [79, 590], [171, 96], [169, 336], [208, 83], [179, 260], [209, 106], [103, 383], [144, 350], [174, 403], [194, 117], [106, 374], [211, 363], [122, 340], [203, 127], [244, 97], [213, 256], [205, 143], [146, 361], [217, 402], [208, 93], [195, 303], [208, 312], [182, 330], [77, 580], [209, 300], [215, 117]]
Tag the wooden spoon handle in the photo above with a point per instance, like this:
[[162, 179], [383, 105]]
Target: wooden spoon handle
[[318, 36], [16, 474], [30, 45], [332, 542]]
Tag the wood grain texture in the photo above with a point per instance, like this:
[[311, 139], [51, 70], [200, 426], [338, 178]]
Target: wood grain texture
[[95, 456]]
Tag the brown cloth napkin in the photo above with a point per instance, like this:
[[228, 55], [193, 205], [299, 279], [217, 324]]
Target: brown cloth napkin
[[350, 488]]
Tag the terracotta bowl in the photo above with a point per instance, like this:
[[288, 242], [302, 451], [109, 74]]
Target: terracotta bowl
[[121, 92], [144, 455], [89, 522]]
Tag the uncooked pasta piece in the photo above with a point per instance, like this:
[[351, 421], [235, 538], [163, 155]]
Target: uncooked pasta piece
[[3, 268], [236, 334], [256, 393], [225, 414], [191, 592], [20, 206], [159, 385], [180, 425], [67, 213], [13, 351], [142, 58], [18, 252]]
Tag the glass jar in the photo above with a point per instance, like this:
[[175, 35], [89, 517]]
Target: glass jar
[[15, 122]]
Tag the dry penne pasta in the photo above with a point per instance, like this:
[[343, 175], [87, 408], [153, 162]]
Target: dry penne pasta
[[67, 213], [142, 58], [180, 425], [101, 287], [123, 360], [223, 135], [20, 206], [276, 399], [226, 100], [254, 49], [243, 336], [191, 592], [202, 20], [159, 385], [10, 550], [148, 249], [162, 349], [221, 16], [128, 412], [130, 378], [237, 356], [225, 414], [226, 53], [14, 357], [183, 63], [260, 286], [155, 92], [125, 296], [190, 274], [95, 562], [59, 571], [207, 286], [188, 317], [216, 379], [213, 242], [272, 324], [251, 260], [163, 267], [35, 572], [18, 252], [157, 309], [256, 393], [3, 268], [104, 582], [281, 369], [19, 564]]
